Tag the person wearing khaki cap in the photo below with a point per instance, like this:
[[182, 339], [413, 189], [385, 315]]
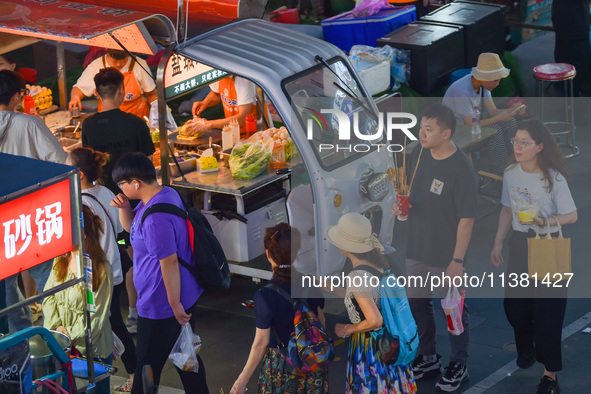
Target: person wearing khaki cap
[[474, 92]]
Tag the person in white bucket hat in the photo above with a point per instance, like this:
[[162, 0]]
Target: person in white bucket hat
[[353, 234], [354, 237], [474, 91]]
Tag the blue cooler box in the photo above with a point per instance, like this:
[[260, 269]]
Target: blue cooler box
[[345, 31]]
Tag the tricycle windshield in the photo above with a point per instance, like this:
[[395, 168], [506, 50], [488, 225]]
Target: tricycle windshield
[[339, 120]]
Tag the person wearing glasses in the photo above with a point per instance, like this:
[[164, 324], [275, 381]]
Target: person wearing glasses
[[139, 85], [167, 291], [537, 175], [24, 135], [116, 132], [21, 134]]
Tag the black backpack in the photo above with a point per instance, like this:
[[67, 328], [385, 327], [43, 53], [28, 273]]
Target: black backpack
[[210, 266]]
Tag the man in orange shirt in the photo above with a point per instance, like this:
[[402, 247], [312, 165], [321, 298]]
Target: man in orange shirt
[[140, 89], [238, 96]]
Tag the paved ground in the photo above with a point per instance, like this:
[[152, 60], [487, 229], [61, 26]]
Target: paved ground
[[227, 328]]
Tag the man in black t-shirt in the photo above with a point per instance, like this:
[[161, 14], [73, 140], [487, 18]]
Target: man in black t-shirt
[[112, 130], [440, 220]]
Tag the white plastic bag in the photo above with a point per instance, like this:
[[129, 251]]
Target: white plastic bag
[[118, 347], [453, 307], [154, 118], [184, 352], [373, 54]]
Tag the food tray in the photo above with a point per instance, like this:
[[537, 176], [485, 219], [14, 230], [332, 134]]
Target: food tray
[[186, 166], [215, 134], [58, 120]]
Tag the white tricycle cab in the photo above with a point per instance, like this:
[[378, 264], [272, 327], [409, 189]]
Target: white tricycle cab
[[342, 152]]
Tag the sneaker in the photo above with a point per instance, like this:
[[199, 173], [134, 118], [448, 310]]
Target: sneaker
[[524, 361], [131, 325], [455, 374], [423, 367], [548, 386], [124, 388]]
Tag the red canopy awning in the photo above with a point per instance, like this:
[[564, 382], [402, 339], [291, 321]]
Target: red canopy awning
[[85, 24]]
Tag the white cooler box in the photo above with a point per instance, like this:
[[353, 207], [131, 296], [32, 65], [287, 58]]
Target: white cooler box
[[243, 242], [375, 76]]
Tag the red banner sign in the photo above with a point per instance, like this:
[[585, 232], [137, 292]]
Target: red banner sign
[[35, 228]]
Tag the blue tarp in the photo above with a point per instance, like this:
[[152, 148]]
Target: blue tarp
[[18, 172]]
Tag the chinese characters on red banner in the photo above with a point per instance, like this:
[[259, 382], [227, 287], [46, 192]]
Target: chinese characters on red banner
[[35, 228]]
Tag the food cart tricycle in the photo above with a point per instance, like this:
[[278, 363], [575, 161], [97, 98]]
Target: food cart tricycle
[[40, 212], [340, 152]]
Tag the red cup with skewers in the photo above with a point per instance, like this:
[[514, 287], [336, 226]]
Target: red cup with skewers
[[403, 204]]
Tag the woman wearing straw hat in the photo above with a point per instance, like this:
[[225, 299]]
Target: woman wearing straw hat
[[365, 373], [474, 91]]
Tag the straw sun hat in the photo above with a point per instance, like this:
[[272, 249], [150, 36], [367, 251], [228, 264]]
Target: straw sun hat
[[353, 234], [489, 68]]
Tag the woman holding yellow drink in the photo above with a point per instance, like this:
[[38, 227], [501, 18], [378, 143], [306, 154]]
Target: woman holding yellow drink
[[536, 176]]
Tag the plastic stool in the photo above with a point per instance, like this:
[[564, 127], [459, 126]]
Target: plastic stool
[[462, 72], [559, 72]]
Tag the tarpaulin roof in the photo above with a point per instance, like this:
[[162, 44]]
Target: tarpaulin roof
[[85, 24]]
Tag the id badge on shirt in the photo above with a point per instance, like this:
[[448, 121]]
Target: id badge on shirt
[[436, 186]]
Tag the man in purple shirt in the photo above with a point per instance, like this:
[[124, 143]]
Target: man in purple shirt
[[167, 292]]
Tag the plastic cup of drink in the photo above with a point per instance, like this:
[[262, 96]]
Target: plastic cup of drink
[[527, 216], [403, 203]]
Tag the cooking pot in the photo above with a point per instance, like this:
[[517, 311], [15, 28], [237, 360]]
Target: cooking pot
[[43, 362], [68, 132]]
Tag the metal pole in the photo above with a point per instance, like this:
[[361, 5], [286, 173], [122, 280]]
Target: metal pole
[[181, 20], [162, 115], [61, 74], [77, 200]]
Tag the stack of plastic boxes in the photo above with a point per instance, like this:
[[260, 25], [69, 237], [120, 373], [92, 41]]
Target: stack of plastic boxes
[[484, 26], [345, 30], [436, 50]]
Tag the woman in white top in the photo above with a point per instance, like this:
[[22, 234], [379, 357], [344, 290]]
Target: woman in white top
[[98, 199], [535, 181], [366, 373]]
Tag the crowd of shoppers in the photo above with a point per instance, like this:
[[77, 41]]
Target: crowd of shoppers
[[440, 221]]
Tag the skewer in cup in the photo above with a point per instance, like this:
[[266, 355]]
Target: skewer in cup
[[403, 192]]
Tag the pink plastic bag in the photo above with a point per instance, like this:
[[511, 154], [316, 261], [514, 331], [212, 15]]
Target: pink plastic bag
[[369, 8], [453, 307]]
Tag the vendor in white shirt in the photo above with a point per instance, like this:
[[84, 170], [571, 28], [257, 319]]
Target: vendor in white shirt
[[140, 89]]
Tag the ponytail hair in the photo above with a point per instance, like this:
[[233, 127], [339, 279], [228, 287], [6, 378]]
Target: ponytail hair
[[90, 162], [282, 242]]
